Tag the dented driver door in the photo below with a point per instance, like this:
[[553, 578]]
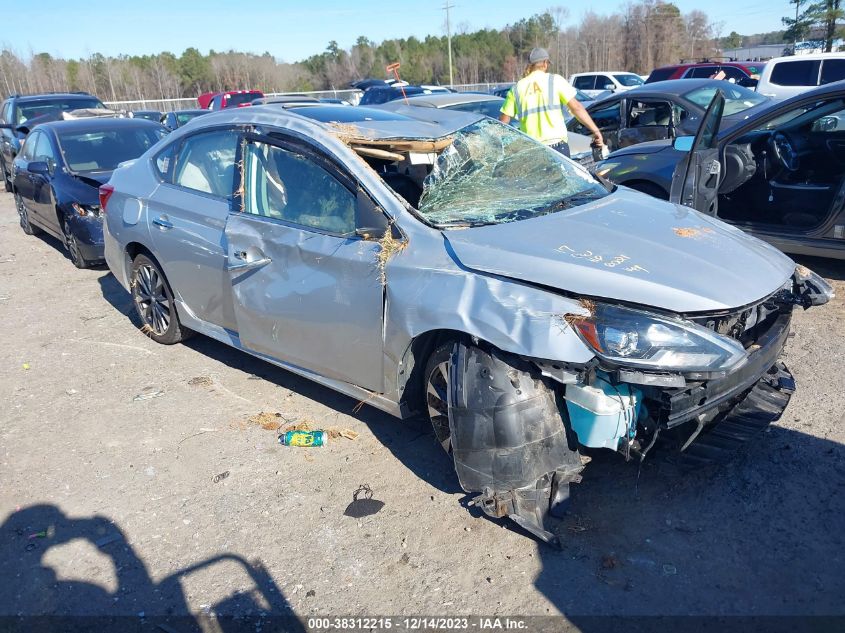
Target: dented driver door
[[695, 182], [305, 285]]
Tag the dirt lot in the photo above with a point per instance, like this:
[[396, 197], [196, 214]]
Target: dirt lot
[[108, 503]]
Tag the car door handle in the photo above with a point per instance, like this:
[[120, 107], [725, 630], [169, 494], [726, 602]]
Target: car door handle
[[245, 263], [163, 223]]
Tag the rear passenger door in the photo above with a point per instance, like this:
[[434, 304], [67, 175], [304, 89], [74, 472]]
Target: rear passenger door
[[306, 286], [187, 216]]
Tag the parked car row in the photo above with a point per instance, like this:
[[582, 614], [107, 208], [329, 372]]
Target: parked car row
[[428, 259]]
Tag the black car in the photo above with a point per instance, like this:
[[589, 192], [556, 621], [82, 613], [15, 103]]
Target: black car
[[173, 120], [666, 109], [57, 174], [19, 112], [779, 174], [149, 115], [378, 94]]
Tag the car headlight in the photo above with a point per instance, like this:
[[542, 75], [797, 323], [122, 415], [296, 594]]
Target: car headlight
[[86, 210], [640, 339]]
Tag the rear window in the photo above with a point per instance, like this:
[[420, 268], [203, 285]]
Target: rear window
[[737, 98], [490, 108], [51, 107], [660, 74], [832, 70], [104, 150], [804, 72]]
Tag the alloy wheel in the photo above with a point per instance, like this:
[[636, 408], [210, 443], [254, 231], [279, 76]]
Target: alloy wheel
[[150, 296], [73, 247], [436, 401]]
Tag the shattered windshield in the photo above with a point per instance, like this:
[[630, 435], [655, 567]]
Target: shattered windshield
[[492, 173]]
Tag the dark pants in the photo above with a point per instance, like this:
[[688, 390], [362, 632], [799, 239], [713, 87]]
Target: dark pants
[[562, 147]]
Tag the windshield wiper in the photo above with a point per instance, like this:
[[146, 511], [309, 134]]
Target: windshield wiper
[[463, 224]]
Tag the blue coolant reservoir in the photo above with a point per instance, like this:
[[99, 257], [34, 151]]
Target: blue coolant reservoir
[[602, 414]]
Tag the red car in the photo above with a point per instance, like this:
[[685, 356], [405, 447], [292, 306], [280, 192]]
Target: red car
[[744, 73], [228, 99]]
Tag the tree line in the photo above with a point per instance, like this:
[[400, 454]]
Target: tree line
[[642, 36]]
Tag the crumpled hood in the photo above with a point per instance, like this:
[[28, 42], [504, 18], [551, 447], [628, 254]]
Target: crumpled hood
[[630, 247]]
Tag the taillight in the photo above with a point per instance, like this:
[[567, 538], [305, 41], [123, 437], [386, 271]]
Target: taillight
[[105, 193]]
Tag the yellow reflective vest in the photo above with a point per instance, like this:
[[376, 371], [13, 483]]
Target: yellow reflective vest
[[537, 101]]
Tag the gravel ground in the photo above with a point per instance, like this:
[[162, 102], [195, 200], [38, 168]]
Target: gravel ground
[[108, 503]]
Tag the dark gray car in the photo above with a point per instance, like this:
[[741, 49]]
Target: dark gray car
[[780, 174], [666, 109], [441, 262]]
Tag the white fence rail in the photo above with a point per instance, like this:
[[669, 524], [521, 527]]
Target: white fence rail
[[186, 103]]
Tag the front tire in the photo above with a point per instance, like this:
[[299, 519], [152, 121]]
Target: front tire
[[23, 214], [7, 182], [72, 246], [154, 304], [435, 388]]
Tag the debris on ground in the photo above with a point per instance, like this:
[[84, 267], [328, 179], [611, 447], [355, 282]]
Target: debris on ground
[[303, 438], [218, 478], [335, 433], [268, 421], [71, 392], [201, 381], [148, 393], [26, 366], [363, 504]]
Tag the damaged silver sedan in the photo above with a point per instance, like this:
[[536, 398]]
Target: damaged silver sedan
[[440, 262]]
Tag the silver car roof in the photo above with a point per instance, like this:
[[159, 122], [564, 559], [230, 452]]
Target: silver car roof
[[403, 122]]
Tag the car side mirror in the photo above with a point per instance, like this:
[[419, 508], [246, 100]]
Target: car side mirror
[[683, 143], [610, 87], [38, 167], [370, 221]]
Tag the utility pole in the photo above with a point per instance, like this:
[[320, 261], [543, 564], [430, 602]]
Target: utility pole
[[446, 8]]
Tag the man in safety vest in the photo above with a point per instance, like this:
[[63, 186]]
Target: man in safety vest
[[537, 100]]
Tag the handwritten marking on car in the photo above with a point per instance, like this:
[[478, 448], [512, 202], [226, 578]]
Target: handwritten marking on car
[[692, 232], [608, 261]]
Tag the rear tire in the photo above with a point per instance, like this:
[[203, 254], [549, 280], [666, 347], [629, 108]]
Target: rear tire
[[23, 214], [154, 303], [435, 390]]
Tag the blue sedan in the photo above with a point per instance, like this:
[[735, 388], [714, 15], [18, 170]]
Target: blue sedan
[[56, 176]]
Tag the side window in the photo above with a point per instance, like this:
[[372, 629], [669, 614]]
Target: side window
[[288, 186], [650, 113], [702, 72], [28, 151], [206, 162], [44, 151], [586, 82], [164, 162], [802, 72], [607, 118], [732, 72], [602, 81], [832, 70]]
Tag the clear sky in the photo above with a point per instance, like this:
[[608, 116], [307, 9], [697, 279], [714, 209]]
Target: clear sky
[[292, 31]]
